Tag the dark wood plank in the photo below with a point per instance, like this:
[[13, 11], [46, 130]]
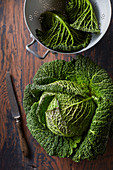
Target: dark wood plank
[[23, 66]]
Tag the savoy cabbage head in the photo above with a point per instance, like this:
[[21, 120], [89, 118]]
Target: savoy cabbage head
[[69, 108]]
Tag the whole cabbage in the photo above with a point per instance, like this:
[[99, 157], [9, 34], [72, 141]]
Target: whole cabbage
[[69, 108]]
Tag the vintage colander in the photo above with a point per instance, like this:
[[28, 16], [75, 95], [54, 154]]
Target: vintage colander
[[34, 8]]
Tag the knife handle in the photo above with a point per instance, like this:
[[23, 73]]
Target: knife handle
[[23, 142]]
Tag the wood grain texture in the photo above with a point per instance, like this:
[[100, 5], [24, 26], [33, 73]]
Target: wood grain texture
[[23, 66]]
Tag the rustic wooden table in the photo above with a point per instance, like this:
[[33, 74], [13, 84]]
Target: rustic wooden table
[[22, 65]]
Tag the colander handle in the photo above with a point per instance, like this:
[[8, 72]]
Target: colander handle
[[30, 44]]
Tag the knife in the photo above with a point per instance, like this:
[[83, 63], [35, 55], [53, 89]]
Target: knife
[[16, 115]]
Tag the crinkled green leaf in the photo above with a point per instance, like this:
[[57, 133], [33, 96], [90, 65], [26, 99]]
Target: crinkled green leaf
[[30, 96], [62, 86], [53, 71], [58, 35], [44, 102], [96, 78], [82, 16], [50, 72], [69, 116]]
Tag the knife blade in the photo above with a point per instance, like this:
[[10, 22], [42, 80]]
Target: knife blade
[[16, 114], [12, 98]]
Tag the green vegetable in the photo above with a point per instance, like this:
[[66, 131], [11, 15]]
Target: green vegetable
[[82, 16], [69, 108], [70, 32], [58, 35]]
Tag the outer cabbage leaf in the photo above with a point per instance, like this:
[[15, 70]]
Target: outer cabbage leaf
[[58, 35], [52, 71], [30, 97], [96, 78], [82, 16]]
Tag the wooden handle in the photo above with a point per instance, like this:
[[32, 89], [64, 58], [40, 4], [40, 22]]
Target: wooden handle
[[23, 142]]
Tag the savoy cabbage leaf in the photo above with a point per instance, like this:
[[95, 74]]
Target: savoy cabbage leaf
[[58, 35], [70, 110], [82, 16]]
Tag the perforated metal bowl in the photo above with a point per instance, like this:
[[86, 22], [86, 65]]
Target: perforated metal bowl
[[34, 8]]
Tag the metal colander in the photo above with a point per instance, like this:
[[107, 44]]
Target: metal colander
[[34, 8]]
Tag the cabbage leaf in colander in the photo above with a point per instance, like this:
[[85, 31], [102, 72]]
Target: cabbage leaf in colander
[[69, 108], [58, 35], [82, 16]]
